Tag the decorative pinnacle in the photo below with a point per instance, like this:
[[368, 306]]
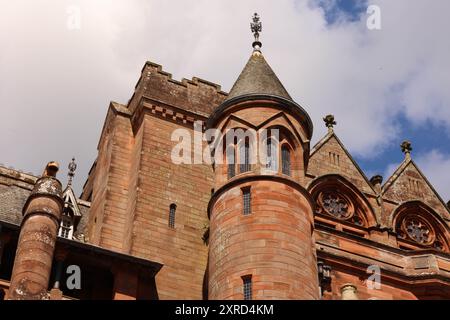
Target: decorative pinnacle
[[256, 28], [72, 167], [329, 122], [406, 148]]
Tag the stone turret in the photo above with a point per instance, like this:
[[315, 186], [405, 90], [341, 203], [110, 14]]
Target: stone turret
[[36, 245], [261, 217]]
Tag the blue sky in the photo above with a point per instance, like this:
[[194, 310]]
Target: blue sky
[[351, 9], [427, 136]]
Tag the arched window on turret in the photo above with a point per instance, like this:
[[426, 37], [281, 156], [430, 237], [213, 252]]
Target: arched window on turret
[[272, 152], [286, 160], [244, 154], [231, 160]]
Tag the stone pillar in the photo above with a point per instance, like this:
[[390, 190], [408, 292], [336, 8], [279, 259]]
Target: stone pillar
[[36, 245]]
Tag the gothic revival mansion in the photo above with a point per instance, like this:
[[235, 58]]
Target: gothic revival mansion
[[147, 228]]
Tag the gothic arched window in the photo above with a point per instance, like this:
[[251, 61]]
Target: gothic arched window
[[244, 156], [416, 224], [286, 160], [231, 159], [271, 150], [339, 204]]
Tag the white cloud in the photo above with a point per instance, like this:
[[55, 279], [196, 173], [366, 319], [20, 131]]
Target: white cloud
[[56, 83], [389, 171], [436, 167]]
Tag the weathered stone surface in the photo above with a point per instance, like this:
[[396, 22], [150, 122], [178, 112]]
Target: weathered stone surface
[[133, 182]]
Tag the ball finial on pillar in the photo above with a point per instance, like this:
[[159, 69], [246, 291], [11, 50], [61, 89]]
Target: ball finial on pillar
[[51, 169]]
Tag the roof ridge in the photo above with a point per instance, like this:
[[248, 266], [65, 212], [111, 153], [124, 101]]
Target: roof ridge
[[325, 139], [394, 176], [401, 168]]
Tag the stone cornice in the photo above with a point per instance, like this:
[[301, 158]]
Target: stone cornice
[[400, 264]]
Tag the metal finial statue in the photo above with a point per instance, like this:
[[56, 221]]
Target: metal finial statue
[[256, 27], [406, 148], [72, 167], [329, 122]]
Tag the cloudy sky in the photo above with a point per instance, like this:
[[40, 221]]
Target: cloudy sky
[[383, 86]]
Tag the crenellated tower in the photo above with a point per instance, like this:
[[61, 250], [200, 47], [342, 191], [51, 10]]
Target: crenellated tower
[[261, 217]]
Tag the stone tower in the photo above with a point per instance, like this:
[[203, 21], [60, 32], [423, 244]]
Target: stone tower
[[261, 216]]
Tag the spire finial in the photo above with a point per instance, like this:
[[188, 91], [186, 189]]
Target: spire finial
[[256, 28], [329, 122], [406, 149], [72, 167]]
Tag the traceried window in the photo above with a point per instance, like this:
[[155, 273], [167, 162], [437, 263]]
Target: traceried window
[[286, 160], [172, 211], [418, 226], [336, 205], [414, 227], [417, 231], [340, 206]]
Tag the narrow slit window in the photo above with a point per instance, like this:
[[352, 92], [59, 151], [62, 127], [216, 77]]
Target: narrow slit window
[[246, 195], [172, 211], [247, 281], [286, 160]]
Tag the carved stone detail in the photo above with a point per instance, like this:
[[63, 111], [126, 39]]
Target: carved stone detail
[[335, 205], [415, 228]]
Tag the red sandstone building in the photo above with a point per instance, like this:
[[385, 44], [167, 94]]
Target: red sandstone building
[[309, 226]]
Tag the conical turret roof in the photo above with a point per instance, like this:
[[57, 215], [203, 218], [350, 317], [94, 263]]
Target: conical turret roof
[[257, 77]]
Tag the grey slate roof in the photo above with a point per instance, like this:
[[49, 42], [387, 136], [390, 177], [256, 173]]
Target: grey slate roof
[[258, 78], [12, 200], [15, 187]]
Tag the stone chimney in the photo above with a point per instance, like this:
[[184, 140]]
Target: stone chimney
[[36, 245]]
